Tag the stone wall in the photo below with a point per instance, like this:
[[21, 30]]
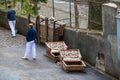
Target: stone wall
[[22, 24], [3, 19]]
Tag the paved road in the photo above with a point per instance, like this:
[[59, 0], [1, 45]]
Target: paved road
[[12, 67]]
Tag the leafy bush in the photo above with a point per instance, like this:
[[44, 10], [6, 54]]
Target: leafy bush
[[27, 6]]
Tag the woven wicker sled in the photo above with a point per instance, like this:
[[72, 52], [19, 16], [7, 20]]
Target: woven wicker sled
[[70, 60], [53, 49]]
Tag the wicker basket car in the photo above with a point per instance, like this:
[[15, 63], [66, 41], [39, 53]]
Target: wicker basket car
[[71, 60], [53, 49]]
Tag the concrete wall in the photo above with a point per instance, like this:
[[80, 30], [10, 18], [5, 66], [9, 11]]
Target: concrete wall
[[109, 11], [110, 50], [110, 36], [88, 43]]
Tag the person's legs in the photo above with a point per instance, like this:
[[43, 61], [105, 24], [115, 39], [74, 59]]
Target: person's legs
[[28, 48], [12, 27], [34, 50], [14, 22]]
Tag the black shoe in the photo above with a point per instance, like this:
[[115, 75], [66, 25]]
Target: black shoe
[[34, 58], [13, 36]]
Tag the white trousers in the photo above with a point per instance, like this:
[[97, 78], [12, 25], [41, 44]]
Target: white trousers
[[12, 27], [30, 46]]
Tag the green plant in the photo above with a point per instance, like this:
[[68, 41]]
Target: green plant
[[30, 6], [45, 1], [27, 6]]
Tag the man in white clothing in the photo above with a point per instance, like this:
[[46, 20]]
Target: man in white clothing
[[11, 16], [30, 44]]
